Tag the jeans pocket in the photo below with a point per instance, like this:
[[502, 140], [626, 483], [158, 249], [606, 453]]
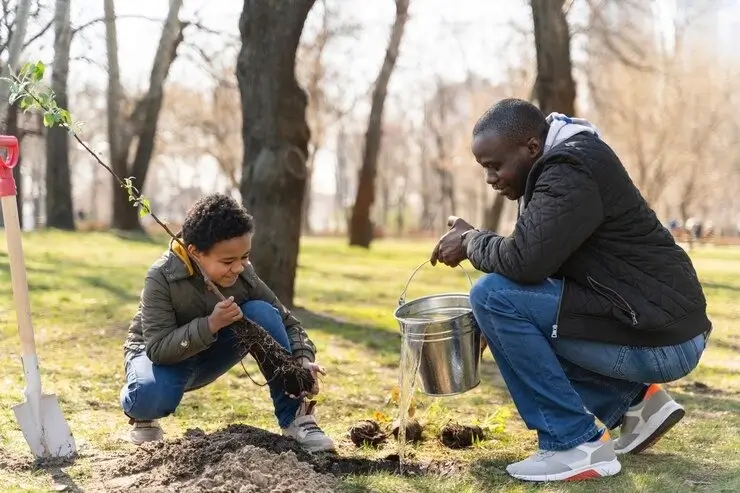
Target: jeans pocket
[[638, 364], [675, 362]]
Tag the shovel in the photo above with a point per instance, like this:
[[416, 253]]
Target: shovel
[[40, 417]]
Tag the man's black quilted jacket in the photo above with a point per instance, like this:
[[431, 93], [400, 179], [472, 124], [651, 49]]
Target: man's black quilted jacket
[[584, 221]]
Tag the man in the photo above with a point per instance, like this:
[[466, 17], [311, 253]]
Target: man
[[588, 304]]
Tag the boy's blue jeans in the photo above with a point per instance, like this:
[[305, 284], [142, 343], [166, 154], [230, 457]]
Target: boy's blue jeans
[[559, 385], [154, 391]]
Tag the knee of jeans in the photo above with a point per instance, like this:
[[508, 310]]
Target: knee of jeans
[[146, 400], [269, 318], [483, 287]]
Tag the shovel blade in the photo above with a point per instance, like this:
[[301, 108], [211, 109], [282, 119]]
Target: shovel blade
[[52, 438]]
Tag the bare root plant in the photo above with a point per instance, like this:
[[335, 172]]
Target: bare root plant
[[274, 361]]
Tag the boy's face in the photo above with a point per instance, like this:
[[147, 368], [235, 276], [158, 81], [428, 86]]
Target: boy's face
[[225, 260]]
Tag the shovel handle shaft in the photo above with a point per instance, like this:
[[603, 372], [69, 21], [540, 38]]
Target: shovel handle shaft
[[18, 275]]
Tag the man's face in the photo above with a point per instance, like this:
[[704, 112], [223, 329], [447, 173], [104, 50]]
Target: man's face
[[225, 260], [507, 163]]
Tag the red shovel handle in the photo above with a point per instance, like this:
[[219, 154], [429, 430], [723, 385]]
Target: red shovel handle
[[8, 159]]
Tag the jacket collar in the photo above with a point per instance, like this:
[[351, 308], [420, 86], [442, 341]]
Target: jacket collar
[[178, 266]]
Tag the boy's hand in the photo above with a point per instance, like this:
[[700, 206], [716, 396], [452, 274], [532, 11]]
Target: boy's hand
[[224, 313], [315, 370]]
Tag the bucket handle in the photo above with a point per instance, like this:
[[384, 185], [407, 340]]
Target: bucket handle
[[402, 298]]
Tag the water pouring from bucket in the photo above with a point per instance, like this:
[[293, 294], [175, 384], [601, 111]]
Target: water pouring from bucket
[[440, 342]]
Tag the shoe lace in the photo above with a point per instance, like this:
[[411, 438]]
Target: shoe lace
[[543, 454]]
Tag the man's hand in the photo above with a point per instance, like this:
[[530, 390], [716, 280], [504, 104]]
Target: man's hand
[[315, 370], [449, 249]]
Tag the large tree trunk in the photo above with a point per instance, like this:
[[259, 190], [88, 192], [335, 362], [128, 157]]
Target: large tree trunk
[[276, 136], [555, 87], [142, 123], [360, 233], [59, 210], [118, 154]]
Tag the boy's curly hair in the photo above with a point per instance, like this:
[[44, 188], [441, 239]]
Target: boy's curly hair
[[214, 218]]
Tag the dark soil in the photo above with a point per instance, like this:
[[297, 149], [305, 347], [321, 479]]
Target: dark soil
[[195, 461], [456, 436], [367, 432], [414, 430]]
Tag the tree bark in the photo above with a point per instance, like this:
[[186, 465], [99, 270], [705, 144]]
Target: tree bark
[[492, 215], [276, 136], [59, 209], [118, 153], [22, 13], [142, 123], [360, 226], [555, 87]]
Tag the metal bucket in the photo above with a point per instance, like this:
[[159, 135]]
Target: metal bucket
[[449, 336]]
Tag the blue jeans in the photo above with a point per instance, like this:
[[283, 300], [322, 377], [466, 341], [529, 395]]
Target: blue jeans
[[154, 391], [558, 385]]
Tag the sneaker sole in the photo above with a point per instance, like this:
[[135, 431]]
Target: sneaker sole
[[594, 471], [657, 426]]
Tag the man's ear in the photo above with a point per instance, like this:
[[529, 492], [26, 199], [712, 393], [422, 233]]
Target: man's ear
[[534, 146]]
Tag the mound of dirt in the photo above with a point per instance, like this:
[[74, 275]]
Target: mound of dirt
[[457, 436], [253, 469], [240, 457], [367, 432], [414, 430]]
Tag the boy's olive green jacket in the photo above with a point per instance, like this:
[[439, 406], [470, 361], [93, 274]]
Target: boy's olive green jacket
[[171, 322]]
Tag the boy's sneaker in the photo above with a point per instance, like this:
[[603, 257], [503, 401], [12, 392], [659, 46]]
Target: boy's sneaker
[[589, 460], [306, 432], [645, 423], [145, 431]]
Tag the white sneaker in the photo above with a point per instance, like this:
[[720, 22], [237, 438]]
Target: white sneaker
[[145, 431], [306, 432], [589, 460]]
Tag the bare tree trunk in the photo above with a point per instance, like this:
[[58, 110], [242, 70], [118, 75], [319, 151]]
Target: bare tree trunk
[[360, 226], [59, 209], [306, 206], [172, 36], [118, 153], [341, 177], [426, 222], [276, 136], [492, 215], [22, 13], [555, 87], [142, 123]]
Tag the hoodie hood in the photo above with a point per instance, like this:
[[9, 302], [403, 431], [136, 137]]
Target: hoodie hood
[[564, 127], [182, 254]]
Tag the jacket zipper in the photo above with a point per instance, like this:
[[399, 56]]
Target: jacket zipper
[[554, 334], [614, 297]]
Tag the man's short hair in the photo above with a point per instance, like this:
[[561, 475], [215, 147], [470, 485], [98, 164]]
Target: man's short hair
[[513, 118]]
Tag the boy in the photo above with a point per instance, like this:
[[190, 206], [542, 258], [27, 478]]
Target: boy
[[181, 337]]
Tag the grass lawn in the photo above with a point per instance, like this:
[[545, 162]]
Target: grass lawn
[[84, 289]]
